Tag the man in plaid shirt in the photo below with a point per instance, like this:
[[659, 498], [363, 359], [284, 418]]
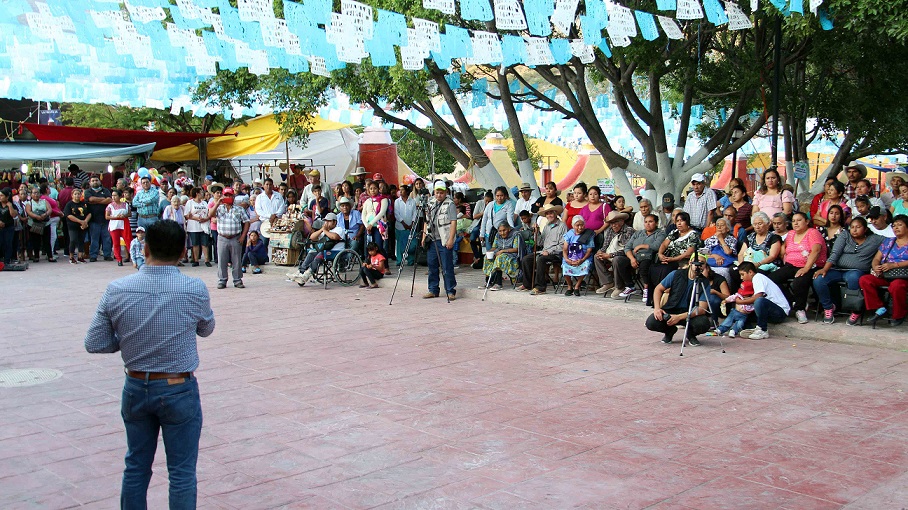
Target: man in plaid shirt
[[700, 203], [233, 225]]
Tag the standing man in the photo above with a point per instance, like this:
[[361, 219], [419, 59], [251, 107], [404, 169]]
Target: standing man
[[152, 317], [359, 179], [147, 203], [439, 232], [315, 179], [268, 206], [98, 197], [233, 225], [535, 265], [855, 172], [404, 218], [700, 203]]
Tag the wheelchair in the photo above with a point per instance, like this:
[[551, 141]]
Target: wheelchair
[[336, 266]]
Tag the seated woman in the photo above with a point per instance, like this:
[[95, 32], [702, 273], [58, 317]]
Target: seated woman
[[803, 251], [676, 249], [578, 248], [835, 225], [720, 249], [848, 261], [889, 267], [835, 195], [639, 252], [762, 246], [256, 253], [780, 224], [503, 257]]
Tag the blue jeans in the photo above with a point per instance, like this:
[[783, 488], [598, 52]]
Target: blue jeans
[[147, 222], [438, 250], [175, 410], [821, 284], [767, 312], [100, 240], [735, 321], [400, 239]]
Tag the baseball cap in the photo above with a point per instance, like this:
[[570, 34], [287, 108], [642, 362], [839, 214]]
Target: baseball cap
[[140, 229], [440, 185], [377, 177], [668, 200], [343, 200], [209, 177], [314, 173], [229, 191], [330, 217], [874, 213], [697, 178]]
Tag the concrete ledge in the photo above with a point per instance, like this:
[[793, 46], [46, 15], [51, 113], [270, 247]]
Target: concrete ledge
[[884, 336]]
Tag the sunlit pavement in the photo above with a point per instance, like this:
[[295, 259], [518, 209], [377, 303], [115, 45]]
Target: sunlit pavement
[[333, 399]]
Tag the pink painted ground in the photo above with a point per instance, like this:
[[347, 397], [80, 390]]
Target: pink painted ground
[[332, 399]]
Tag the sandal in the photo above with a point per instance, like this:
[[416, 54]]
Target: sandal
[[536, 292]]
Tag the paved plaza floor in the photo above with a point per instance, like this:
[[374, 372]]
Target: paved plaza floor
[[331, 398]]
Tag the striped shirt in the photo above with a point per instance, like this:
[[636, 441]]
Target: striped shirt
[[152, 317]]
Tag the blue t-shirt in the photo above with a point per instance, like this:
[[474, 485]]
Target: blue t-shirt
[[575, 249]]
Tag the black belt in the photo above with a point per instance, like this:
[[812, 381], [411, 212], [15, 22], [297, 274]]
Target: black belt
[[154, 376], [148, 216]]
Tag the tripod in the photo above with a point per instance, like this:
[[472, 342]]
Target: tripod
[[414, 231], [701, 285]]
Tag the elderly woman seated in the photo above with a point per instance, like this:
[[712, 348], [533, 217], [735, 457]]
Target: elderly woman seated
[[578, 248], [720, 249], [502, 258], [848, 261], [889, 268]]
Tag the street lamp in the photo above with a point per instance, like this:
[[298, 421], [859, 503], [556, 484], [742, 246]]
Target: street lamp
[[546, 167], [736, 135]]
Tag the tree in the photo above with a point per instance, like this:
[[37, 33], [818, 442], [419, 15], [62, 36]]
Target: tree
[[418, 153]]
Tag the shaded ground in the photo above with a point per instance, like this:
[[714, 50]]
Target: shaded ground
[[333, 399]]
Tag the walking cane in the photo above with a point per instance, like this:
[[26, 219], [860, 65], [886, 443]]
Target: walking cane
[[533, 276]]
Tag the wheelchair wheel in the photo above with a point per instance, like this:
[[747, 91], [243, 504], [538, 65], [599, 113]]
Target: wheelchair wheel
[[346, 267], [322, 275]]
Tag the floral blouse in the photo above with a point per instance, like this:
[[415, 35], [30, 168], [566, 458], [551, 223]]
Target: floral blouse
[[678, 244]]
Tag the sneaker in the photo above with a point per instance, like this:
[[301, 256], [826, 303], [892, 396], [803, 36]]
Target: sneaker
[[243, 269], [72, 260], [429, 295], [452, 297], [666, 338], [222, 285], [714, 332], [257, 270], [759, 334], [495, 287], [239, 285], [108, 259], [829, 316], [93, 259], [731, 333], [307, 275], [645, 295], [693, 341], [853, 319], [626, 293], [802, 316], [605, 288]]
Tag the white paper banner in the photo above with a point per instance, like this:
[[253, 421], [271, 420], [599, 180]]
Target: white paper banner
[[584, 52], [619, 40], [538, 52], [754, 5], [427, 31], [814, 5], [737, 20], [411, 58], [671, 29], [362, 16], [254, 10], [563, 17], [689, 9], [621, 21], [486, 48], [318, 67], [509, 15], [445, 6]]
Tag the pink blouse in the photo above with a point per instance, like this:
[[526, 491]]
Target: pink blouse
[[772, 204], [796, 253]]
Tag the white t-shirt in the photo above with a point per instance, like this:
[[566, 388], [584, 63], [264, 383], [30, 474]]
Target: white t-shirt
[[887, 232], [196, 209], [763, 285], [116, 212]]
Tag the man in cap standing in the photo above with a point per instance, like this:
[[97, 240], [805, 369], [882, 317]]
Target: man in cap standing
[[855, 172], [700, 203], [315, 179], [438, 233], [233, 225]]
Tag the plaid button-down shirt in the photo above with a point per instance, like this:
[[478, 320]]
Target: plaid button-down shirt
[[699, 207], [152, 318], [230, 221]]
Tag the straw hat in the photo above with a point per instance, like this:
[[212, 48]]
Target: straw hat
[[614, 216], [895, 173]]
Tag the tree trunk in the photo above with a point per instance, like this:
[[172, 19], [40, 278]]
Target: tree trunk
[[525, 168], [487, 176]]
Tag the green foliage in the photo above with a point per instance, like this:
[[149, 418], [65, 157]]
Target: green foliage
[[416, 152], [123, 117]]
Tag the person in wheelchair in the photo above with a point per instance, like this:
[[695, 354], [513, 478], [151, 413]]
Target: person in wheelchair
[[320, 245], [351, 222]]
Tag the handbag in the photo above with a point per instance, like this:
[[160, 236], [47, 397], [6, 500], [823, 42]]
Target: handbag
[[37, 227], [717, 250], [897, 273], [852, 300]]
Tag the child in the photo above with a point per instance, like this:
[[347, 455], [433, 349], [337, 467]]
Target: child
[[734, 323], [319, 205], [137, 249], [464, 226], [374, 269]]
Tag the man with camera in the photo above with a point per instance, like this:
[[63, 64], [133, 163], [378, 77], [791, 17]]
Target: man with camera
[[671, 312], [438, 237]]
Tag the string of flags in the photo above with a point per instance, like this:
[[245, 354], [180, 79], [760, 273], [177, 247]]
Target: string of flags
[[148, 52]]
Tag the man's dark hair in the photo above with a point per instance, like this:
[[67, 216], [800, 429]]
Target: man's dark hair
[[317, 187], [460, 196], [69, 181], [42, 180], [489, 194], [269, 179], [165, 240], [747, 267]]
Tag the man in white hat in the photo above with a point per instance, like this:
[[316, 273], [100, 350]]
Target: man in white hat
[[894, 179], [551, 243], [528, 197], [855, 171], [438, 233], [700, 203], [315, 179], [615, 238], [359, 178]]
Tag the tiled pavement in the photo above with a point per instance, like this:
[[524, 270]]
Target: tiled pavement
[[332, 399]]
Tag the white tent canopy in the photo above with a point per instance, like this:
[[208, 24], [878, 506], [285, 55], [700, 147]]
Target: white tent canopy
[[333, 153]]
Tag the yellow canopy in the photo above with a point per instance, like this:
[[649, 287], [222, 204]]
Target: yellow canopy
[[261, 134]]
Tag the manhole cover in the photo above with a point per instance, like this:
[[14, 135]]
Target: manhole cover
[[27, 377]]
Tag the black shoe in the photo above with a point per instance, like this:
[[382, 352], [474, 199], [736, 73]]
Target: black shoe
[[239, 285], [194, 264], [666, 338], [207, 264], [569, 292], [108, 259], [120, 263], [693, 341], [93, 259], [222, 285], [896, 322]]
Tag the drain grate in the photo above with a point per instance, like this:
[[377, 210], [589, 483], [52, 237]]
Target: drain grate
[[27, 377]]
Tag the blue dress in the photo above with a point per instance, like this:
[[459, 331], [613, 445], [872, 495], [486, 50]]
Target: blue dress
[[575, 251]]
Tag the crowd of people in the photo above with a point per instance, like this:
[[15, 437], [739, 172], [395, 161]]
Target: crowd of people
[[763, 256]]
